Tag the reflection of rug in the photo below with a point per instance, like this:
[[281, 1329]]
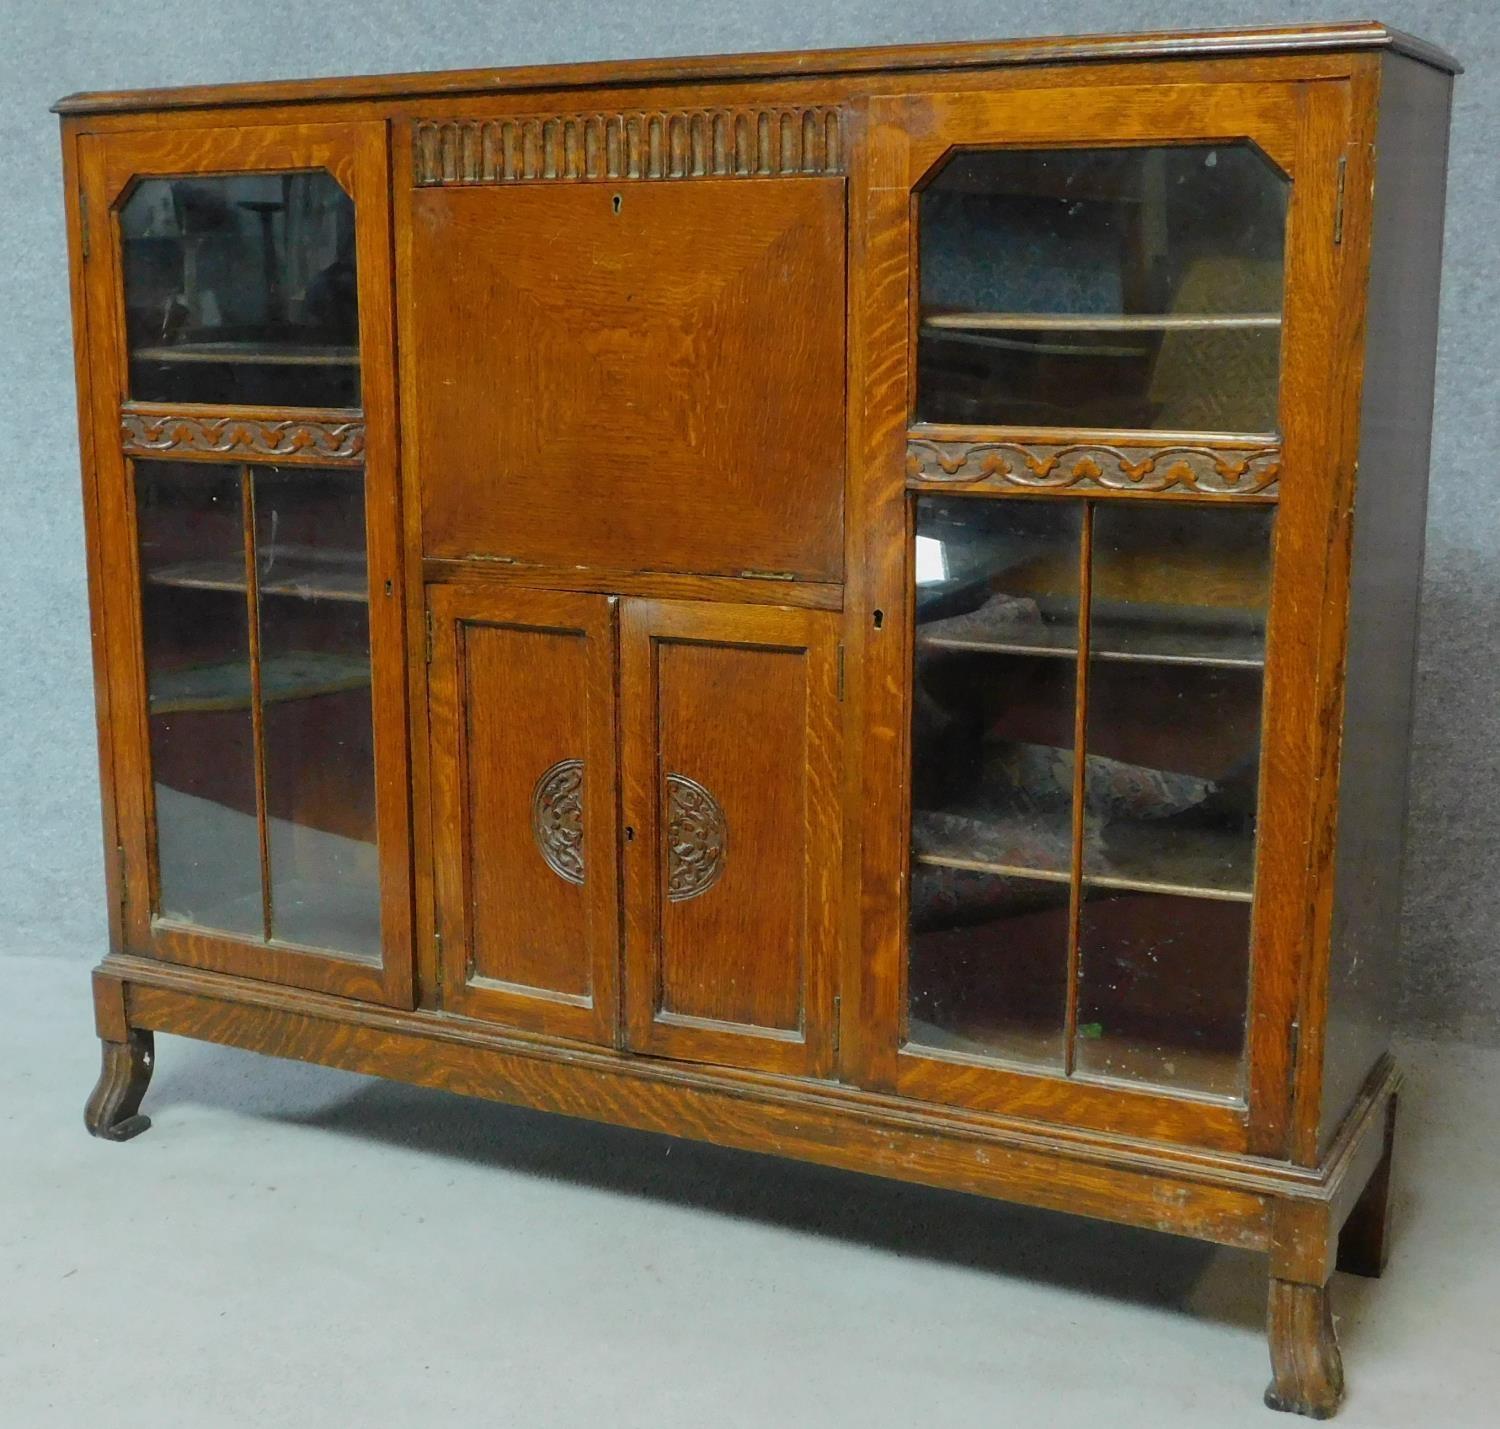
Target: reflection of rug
[[1032, 777], [1017, 842], [225, 684], [1002, 619]]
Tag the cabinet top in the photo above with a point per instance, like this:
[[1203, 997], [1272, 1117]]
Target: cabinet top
[[1163, 45]]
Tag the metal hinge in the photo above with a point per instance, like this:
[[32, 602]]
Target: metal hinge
[[429, 636], [120, 874], [437, 985], [83, 221], [841, 674], [1296, 1043], [838, 1007], [769, 575], [1338, 208]]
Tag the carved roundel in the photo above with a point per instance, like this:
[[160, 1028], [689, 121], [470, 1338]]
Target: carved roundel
[[697, 839], [557, 818]]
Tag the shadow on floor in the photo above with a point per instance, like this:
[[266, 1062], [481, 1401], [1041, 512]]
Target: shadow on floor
[[1068, 1252]]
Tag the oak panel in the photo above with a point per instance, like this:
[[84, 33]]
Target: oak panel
[[731, 795], [1385, 556], [521, 696], [647, 377]]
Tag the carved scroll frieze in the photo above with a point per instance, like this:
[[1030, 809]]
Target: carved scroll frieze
[[294, 439], [1090, 466], [739, 142], [557, 818], [697, 839]]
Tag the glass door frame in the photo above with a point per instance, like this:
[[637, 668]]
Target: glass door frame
[[1300, 127], [109, 164]]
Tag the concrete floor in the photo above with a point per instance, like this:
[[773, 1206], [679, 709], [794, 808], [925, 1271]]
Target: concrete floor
[[290, 1245]]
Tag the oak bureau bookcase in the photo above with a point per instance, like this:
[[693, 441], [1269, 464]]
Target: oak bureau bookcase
[[854, 605]]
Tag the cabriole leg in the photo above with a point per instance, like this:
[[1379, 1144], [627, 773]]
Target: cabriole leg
[[114, 1108], [1364, 1242], [1307, 1372]]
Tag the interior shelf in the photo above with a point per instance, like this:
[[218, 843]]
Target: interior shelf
[[1098, 322], [1141, 856], [307, 577], [225, 684], [252, 353], [1228, 650], [1158, 648]]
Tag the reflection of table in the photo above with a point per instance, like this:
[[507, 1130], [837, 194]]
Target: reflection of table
[[266, 210], [225, 684]]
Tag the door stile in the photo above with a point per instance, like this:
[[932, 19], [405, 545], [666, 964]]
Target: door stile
[[1080, 781]]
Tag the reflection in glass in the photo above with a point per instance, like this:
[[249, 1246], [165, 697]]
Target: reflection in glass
[[1177, 629], [1177, 648], [1162, 984], [992, 741], [260, 701], [317, 714], [241, 289], [1103, 288], [1171, 689], [988, 974], [197, 646]]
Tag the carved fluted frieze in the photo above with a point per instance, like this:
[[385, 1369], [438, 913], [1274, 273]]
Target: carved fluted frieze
[[736, 142]]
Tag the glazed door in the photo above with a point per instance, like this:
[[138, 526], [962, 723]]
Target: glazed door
[[1102, 493], [732, 832], [522, 707], [242, 425]]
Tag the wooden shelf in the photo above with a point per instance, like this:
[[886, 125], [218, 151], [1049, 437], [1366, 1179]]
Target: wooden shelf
[[301, 576], [1197, 863], [969, 864], [250, 354], [1237, 652], [1100, 322]]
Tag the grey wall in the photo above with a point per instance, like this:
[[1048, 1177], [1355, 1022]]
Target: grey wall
[[50, 874]]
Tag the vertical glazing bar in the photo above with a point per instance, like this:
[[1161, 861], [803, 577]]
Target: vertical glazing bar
[[257, 715], [1080, 776]]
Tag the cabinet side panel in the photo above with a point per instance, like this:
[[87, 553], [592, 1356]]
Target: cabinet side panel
[[1386, 576]]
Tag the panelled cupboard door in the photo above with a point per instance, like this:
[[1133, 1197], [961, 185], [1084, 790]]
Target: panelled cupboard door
[[732, 832], [242, 471], [1104, 473], [522, 701]]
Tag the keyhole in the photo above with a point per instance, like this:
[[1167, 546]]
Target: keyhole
[[879, 619], [629, 834], [615, 202]]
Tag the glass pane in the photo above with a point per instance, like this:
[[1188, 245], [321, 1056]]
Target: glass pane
[[988, 973], [1176, 656], [317, 714], [1114, 288], [992, 741], [241, 289], [1161, 993], [192, 543]]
